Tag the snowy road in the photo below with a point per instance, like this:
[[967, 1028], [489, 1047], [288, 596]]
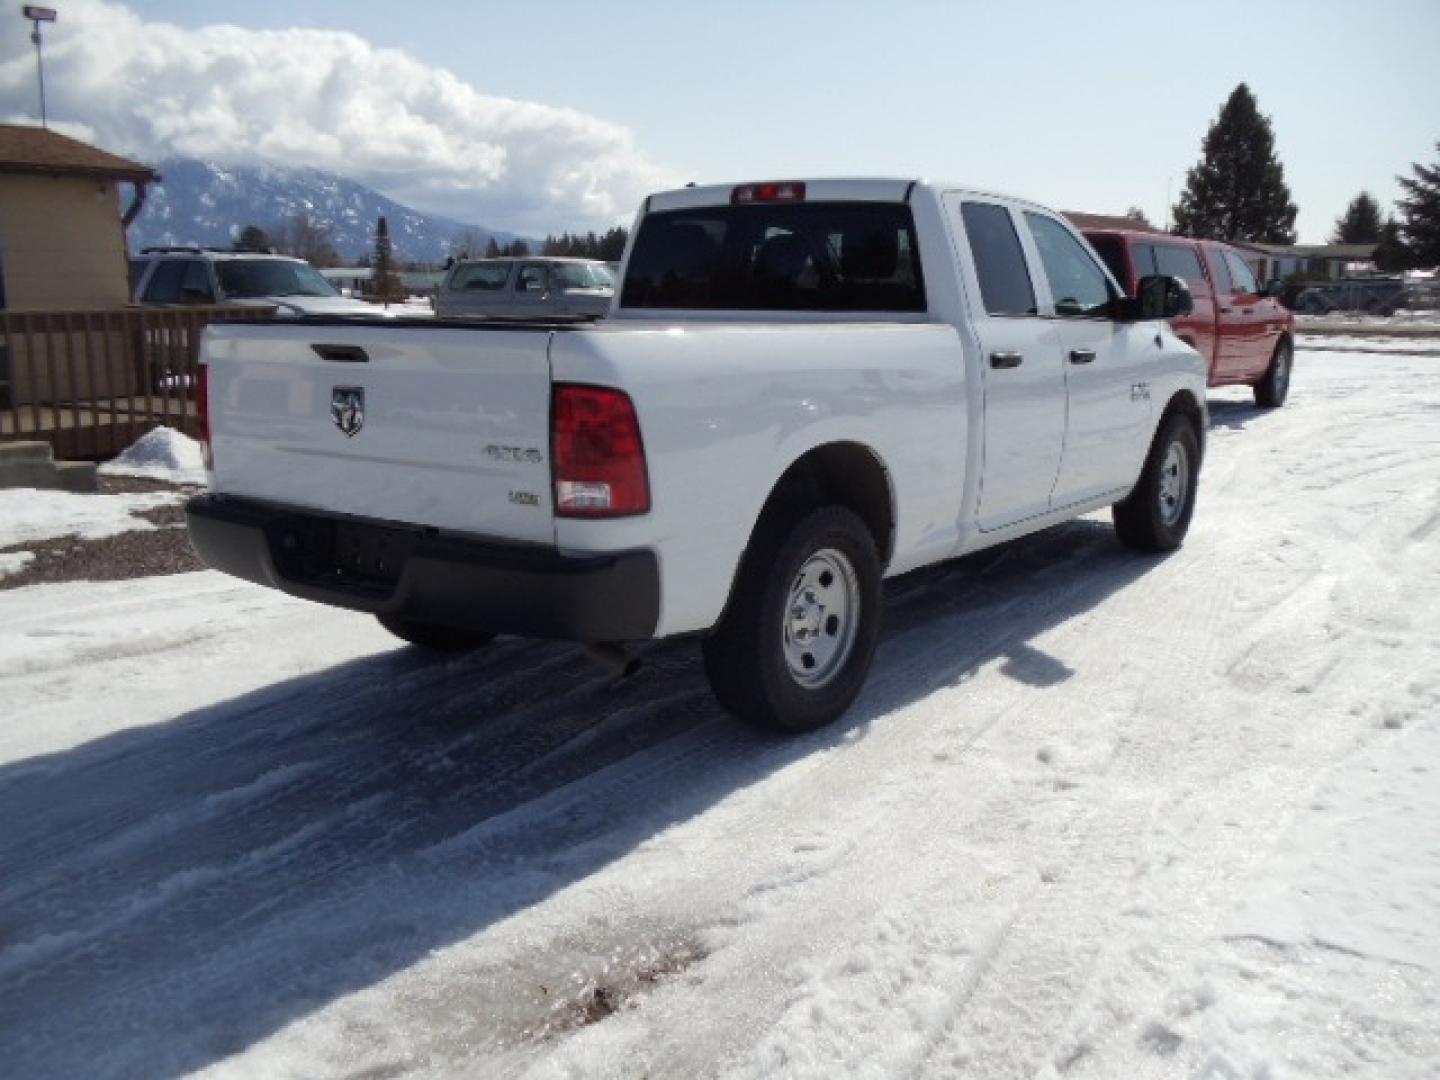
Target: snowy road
[[1096, 815]]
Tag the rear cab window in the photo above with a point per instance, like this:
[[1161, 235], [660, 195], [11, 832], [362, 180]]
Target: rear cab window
[[817, 256]]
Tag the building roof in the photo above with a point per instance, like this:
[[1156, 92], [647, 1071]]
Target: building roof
[[1347, 252], [1107, 221], [34, 150]]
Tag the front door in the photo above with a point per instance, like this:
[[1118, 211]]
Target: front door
[[1109, 408], [1022, 370]]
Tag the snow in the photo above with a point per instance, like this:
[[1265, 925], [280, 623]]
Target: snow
[[161, 454], [12, 562], [1415, 345], [1095, 815], [28, 515]]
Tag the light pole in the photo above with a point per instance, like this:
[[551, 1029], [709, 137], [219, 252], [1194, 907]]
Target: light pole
[[38, 15]]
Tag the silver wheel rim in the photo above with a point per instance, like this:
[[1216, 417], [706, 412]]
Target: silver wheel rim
[[820, 618], [1174, 482]]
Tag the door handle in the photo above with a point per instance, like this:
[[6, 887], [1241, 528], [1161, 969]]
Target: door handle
[[1227, 311], [1082, 356], [1005, 359]]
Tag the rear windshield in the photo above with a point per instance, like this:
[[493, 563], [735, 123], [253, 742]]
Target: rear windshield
[[582, 276], [829, 256]]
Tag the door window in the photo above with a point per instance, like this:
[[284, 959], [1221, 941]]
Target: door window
[[1182, 262], [487, 277], [531, 279], [1005, 286], [1240, 272], [1078, 286], [1143, 256]]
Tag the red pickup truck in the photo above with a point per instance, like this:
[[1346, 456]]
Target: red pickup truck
[[1245, 335]]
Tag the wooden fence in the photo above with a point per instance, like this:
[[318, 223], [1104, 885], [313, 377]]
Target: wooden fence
[[92, 382]]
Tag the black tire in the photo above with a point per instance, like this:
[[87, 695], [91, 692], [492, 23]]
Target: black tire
[[1154, 516], [749, 656], [436, 638], [1274, 388]]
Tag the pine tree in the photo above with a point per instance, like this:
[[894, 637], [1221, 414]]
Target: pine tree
[[383, 282], [1237, 190], [1360, 224], [492, 248], [1391, 254], [1420, 213]]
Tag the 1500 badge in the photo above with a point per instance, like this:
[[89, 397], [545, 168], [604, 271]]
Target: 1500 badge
[[525, 454]]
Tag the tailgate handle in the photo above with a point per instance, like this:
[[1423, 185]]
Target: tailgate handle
[[341, 354]]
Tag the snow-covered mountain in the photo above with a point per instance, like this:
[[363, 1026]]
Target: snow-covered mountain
[[203, 202]]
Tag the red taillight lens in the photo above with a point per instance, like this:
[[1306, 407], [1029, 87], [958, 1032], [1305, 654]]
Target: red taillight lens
[[784, 191], [202, 409], [596, 455]]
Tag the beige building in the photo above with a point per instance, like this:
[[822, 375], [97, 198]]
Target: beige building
[[62, 226]]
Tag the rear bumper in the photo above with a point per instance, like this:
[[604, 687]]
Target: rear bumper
[[410, 572]]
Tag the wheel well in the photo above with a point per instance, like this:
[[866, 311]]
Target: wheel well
[[1186, 405], [841, 474]]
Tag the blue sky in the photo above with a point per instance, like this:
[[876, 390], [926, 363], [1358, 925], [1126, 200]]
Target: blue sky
[[1093, 106]]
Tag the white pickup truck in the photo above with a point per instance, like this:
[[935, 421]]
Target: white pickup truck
[[803, 387]]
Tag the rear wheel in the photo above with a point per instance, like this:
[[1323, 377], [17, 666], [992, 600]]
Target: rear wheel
[[1156, 515], [436, 638], [1272, 390], [793, 650]]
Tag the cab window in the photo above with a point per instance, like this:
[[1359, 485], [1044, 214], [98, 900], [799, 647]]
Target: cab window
[[1182, 262], [1078, 286], [486, 277]]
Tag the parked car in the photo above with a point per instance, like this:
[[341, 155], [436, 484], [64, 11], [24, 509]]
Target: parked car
[[538, 288], [192, 275], [804, 387], [1244, 333]]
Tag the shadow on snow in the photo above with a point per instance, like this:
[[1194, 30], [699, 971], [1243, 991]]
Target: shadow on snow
[[172, 894]]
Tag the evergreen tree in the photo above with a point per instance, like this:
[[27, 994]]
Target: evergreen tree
[[1420, 213], [492, 248], [383, 282], [253, 238], [1237, 190], [1391, 254], [1360, 224]]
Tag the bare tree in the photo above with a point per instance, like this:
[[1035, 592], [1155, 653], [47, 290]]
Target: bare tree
[[306, 239]]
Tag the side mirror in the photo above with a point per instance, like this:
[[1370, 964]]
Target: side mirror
[[1160, 296]]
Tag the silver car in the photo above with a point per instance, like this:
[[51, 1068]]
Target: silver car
[[529, 288]]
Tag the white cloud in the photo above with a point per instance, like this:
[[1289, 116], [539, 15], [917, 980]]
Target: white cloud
[[332, 100]]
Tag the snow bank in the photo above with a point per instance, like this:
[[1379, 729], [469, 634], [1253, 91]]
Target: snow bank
[[161, 454], [28, 516], [13, 562]]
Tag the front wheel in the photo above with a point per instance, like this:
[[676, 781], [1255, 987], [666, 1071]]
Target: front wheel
[[1156, 514], [1271, 391], [436, 638], [793, 650]]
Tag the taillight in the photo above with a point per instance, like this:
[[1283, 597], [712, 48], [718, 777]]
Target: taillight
[[202, 408], [596, 456], [784, 191]]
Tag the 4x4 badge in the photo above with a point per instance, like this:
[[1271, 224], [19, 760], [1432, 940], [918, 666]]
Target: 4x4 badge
[[347, 408]]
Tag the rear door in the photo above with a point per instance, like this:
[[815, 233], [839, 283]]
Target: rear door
[[476, 290], [1022, 369], [432, 425]]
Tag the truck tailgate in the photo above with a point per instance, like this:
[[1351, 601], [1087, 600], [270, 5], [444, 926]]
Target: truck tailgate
[[438, 426]]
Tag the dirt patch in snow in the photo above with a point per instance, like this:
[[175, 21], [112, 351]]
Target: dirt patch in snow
[[618, 989], [110, 558]]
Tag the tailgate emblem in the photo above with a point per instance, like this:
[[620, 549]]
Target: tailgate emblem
[[347, 408]]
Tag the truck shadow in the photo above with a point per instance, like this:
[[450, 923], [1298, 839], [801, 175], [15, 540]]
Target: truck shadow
[[173, 894], [1235, 414]]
